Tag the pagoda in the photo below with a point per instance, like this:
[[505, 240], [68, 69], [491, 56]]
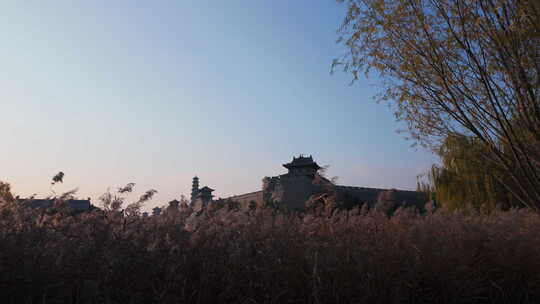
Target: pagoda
[[194, 189]]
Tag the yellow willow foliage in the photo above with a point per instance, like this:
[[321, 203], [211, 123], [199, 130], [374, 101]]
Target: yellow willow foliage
[[466, 178]]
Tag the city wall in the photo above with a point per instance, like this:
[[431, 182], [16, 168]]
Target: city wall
[[245, 199]]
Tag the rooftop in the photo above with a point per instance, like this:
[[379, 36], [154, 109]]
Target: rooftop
[[206, 189], [302, 161]]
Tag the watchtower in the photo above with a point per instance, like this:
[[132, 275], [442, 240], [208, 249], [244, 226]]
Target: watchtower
[[302, 166]]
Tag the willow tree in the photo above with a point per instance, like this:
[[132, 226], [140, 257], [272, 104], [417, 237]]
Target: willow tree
[[457, 67], [465, 179]]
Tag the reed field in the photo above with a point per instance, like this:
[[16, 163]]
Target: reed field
[[227, 255]]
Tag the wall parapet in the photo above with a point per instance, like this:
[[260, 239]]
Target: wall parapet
[[240, 196]]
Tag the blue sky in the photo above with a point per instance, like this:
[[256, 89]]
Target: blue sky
[[154, 92]]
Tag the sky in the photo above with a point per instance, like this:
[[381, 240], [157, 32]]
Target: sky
[[155, 92]]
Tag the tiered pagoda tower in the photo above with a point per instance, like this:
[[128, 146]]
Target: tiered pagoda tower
[[194, 189]]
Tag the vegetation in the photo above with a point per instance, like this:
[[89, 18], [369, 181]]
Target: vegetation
[[458, 69], [227, 255], [465, 179], [464, 75], [5, 192]]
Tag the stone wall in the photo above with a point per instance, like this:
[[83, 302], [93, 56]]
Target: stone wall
[[77, 205], [351, 196], [245, 199], [292, 192]]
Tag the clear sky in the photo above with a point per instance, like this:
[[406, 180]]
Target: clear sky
[[154, 92]]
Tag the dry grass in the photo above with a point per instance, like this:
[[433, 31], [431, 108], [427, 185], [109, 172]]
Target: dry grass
[[231, 256]]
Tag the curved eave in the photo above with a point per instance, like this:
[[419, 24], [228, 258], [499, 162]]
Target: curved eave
[[289, 166]]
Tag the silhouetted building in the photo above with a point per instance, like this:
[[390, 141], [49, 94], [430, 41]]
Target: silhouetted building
[[173, 207], [205, 195], [302, 181], [174, 204], [74, 204], [156, 211], [302, 166]]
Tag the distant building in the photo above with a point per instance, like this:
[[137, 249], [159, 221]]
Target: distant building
[[172, 208], [205, 195], [200, 198], [302, 181], [74, 204], [173, 204], [156, 211]]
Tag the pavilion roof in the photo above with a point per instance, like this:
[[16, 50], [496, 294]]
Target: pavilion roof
[[206, 189], [302, 162]]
